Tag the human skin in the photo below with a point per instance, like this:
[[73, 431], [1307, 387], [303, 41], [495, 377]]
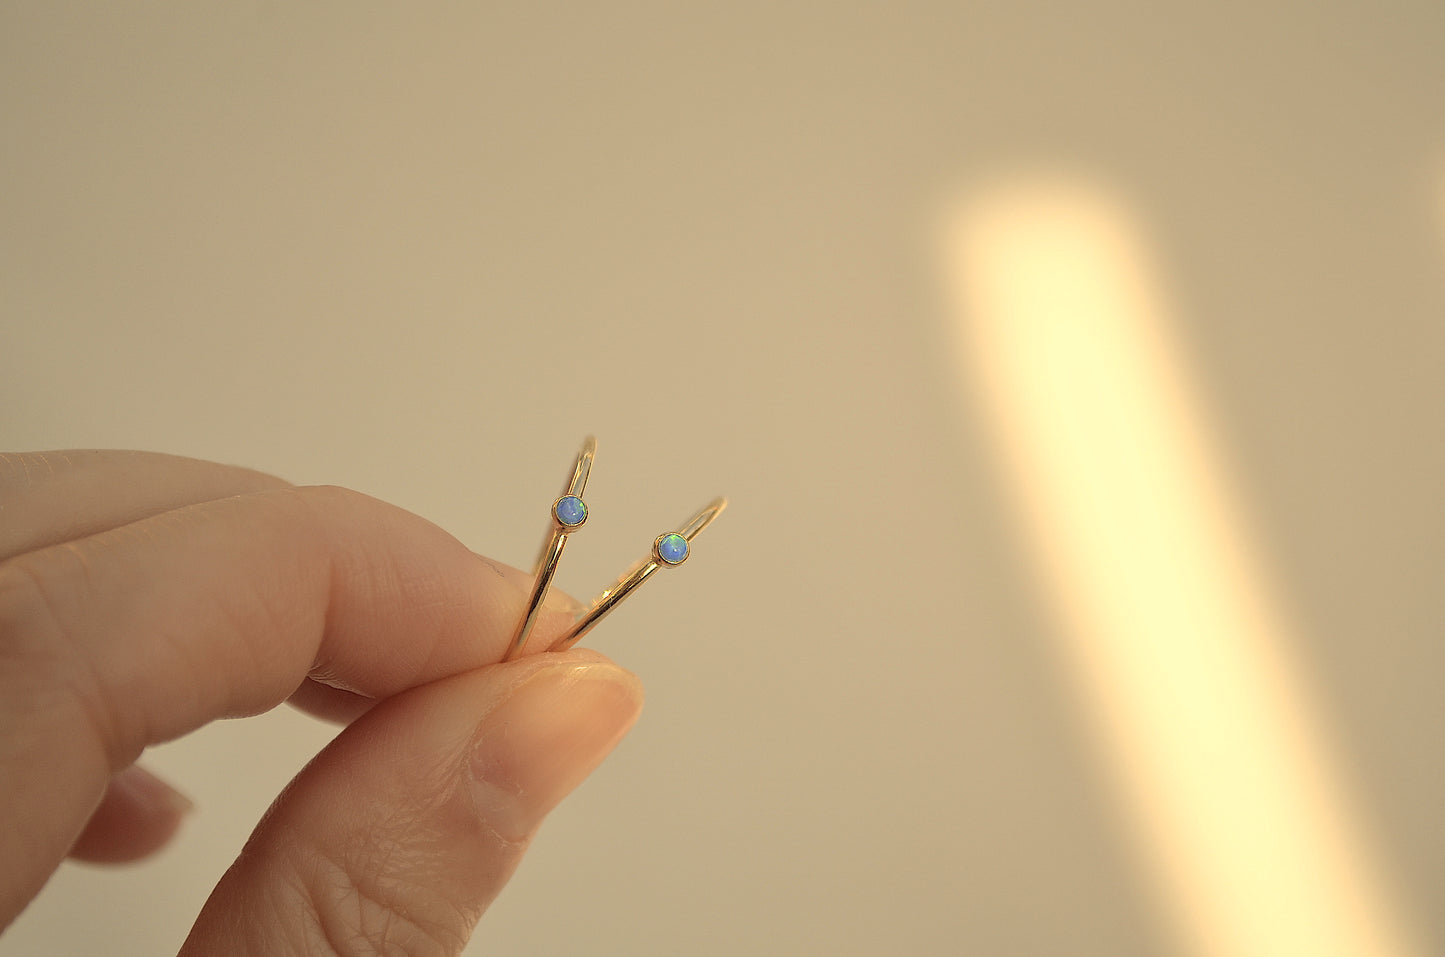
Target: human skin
[[142, 596]]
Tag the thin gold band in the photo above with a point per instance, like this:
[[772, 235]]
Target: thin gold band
[[566, 508], [662, 547]]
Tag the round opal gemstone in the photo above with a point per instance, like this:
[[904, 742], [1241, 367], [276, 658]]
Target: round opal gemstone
[[672, 548], [570, 511]]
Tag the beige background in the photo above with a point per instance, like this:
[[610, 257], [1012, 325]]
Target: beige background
[[421, 252]]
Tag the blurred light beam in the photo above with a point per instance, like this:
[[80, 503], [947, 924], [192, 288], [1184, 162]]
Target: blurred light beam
[[1181, 658]]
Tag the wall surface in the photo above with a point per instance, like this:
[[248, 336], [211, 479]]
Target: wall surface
[[422, 250]]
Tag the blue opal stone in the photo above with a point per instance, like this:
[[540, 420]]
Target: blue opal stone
[[570, 511], [672, 548]]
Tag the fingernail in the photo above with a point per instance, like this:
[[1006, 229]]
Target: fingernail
[[546, 737], [148, 790], [560, 601], [557, 600]]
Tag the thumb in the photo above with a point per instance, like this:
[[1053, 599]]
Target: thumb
[[401, 832]]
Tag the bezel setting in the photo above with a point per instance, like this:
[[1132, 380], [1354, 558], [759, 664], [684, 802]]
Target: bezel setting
[[667, 546], [566, 512]]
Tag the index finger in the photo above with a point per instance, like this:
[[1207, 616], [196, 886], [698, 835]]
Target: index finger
[[57, 496], [144, 632]]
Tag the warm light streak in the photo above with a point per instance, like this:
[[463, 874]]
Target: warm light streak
[[1182, 660]]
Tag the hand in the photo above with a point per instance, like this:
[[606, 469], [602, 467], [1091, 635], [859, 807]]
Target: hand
[[142, 596]]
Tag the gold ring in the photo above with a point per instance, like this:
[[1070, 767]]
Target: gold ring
[[568, 514], [671, 548]]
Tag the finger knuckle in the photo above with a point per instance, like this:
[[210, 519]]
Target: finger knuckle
[[31, 628], [39, 665]]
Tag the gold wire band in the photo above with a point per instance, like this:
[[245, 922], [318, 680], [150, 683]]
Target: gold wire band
[[551, 552], [636, 575]]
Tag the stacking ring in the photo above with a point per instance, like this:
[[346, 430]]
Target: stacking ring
[[671, 548], [569, 512]]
